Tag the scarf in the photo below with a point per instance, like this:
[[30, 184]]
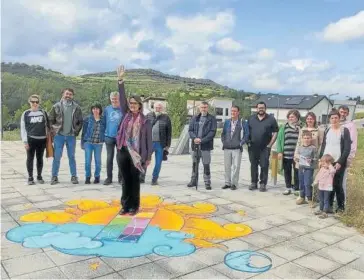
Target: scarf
[[132, 138]]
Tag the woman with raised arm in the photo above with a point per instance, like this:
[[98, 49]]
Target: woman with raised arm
[[134, 143]]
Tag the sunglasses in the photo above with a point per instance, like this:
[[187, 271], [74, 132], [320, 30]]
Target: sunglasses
[[34, 102]]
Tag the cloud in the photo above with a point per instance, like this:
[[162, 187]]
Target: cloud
[[305, 64], [71, 240], [227, 45], [266, 54], [345, 29]]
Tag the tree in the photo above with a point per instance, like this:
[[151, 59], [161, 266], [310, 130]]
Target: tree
[[47, 105], [177, 111], [6, 118], [19, 112]]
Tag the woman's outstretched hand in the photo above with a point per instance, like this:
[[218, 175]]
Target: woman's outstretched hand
[[121, 72]]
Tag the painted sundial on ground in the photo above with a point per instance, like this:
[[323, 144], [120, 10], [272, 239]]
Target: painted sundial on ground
[[94, 228]]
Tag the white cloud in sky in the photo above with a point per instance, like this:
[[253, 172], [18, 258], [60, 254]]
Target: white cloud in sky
[[345, 29], [229, 45], [266, 54]]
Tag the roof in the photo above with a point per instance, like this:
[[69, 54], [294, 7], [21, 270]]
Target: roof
[[289, 101], [345, 102], [154, 98]]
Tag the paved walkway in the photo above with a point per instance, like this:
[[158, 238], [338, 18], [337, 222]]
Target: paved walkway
[[200, 229]]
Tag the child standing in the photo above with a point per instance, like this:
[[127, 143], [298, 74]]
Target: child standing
[[306, 158], [324, 179]]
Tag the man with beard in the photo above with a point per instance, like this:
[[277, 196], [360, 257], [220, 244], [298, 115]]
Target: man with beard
[[350, 125], [161, 137], [263, 130], [66, 123], [202, 130]]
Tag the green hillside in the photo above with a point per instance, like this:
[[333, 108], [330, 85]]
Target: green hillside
[[20, 80]]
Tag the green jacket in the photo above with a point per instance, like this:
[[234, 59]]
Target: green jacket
[[280, 139]]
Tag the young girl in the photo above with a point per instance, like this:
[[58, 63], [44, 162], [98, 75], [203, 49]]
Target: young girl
[[324, 179]]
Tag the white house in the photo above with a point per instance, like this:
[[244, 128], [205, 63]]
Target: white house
[[279, 105], [148, 103], [351, 105], [222, 107], [359, 108]]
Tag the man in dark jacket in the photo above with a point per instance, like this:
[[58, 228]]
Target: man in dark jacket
[[66, 123], [202, 130], [161, 135]]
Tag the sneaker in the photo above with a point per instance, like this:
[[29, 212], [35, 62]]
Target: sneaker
[[312, 204], [54, 180], [301, 200], [74, 180], [88, 180], [123, 211], [133, 212], [287, 192], [262, 188], [97, 180], [253, 187], [154, 182], [40, 180], [323, 215], [318, 212], [233, 188], [226, 187], [142, 180], [31, 181], [296, 193], [208, 187], [108, 181], [191, 184], [330, 211]]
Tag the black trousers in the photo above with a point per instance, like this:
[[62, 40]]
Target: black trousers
[[288, 165], [338, 190], [37, 148], [110, 151], [259, 157], [130, 197]]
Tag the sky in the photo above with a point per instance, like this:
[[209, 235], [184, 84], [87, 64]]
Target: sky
[[280, 46]]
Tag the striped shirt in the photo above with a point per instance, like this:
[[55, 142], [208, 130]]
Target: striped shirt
[[290, 140]]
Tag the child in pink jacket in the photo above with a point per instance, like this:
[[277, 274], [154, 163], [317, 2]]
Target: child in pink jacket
[[324, 179]]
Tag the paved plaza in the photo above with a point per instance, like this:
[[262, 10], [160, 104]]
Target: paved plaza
[[189, 233]]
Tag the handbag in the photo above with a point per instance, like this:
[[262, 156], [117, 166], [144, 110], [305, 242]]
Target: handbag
[[49, 146]]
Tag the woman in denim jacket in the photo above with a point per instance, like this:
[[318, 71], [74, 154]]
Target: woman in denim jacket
[[93, 137]]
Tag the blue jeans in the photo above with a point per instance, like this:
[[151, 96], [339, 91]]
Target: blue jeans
[[158, 150], [324, 200], [59, 141], [95, 149], [305, 179]]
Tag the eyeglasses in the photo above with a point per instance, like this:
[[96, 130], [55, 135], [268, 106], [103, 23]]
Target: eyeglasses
[[34, 102]]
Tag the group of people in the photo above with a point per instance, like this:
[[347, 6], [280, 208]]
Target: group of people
[[123, 127]]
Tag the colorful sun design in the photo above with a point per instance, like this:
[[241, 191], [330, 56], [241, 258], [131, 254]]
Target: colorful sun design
[[94, 227]]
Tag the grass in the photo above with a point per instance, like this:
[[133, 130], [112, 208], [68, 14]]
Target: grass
[[354, 214], [12, 135]]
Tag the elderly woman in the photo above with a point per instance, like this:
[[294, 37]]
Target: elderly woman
[[337, 143], [286, 146], [134, 144], [34, 127]]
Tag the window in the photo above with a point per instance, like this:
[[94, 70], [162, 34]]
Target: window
[[219, 111], [226, 111]]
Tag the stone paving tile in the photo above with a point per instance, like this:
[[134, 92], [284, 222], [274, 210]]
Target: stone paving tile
[[10, 195], [316, 222], [15, 250], [297, 228], [335, 254], [358, 264], [61, 259], [14, 201], [276, 220], [324, 238], [206, 273], [4, 275], [83, 269], [307, 244], [258, 225], [351, 246], [279, 234], [178, 266], [110, 276], [146, 271], [346, 273], [209, 256], [236, 218], [258, 240], [318, 264], [294, 271], [218, 201], [30, 263], [5, 226], [39, 198], [5, 217], [287, 251], [119, 264], [237, 245], [51, 273]]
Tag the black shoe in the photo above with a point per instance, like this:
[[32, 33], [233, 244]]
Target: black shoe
[[123, 211], [226, 187], [31, 181], [262, 188], [233, 188], [88, 180], [133, 212], [54, 180], [97, 180], [142, 181], [40, 180], [191, 184], [154, 182], [74, 180], [108, 181], [208, 187], [253, 187]]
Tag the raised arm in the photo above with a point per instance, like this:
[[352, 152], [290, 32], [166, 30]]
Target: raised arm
[[122, 96]]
